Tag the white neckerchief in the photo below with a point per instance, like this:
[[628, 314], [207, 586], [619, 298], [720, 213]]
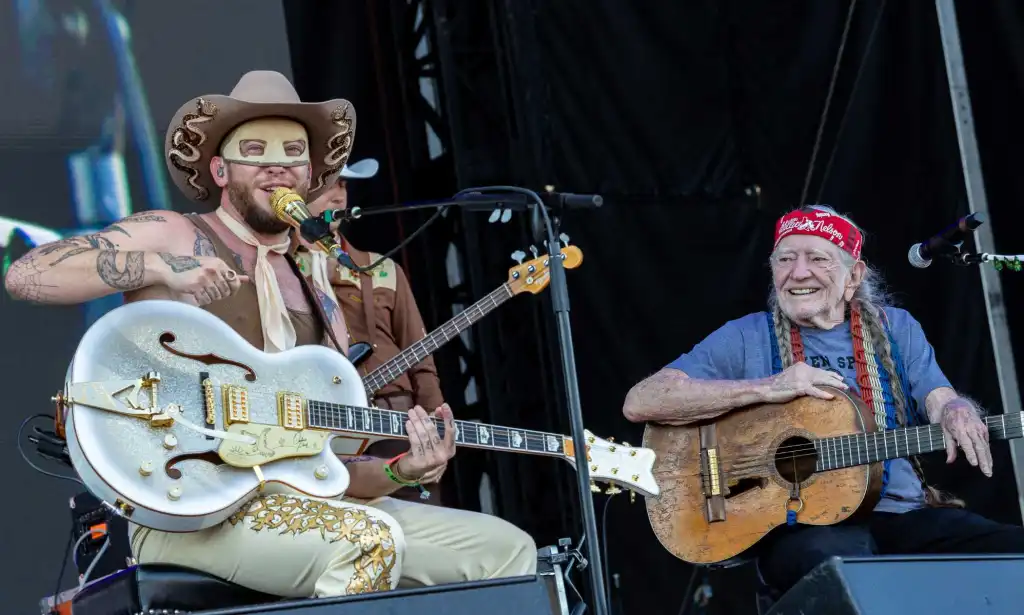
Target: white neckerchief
[[278, 331]]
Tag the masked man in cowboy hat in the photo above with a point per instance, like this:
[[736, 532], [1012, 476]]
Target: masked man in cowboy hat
[[380, 309], [231, 152]]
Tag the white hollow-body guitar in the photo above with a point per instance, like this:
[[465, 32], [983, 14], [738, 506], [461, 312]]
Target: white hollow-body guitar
[[175, 421]]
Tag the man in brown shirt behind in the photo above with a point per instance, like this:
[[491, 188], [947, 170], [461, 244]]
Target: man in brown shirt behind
[[390, 327]]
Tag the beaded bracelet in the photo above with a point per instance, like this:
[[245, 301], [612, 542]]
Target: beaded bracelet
[[393, 475]]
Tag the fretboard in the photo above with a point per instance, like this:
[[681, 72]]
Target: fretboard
[[391, 423], [859, 449], [402, 362]]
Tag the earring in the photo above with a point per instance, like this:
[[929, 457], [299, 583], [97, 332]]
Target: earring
[[220, 171]]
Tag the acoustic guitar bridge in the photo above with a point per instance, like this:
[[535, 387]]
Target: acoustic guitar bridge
[[711, 475]]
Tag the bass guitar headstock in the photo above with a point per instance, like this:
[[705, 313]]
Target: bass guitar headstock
[[534, 275]]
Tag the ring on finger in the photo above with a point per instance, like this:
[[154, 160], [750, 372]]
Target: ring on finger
[[230, 275]]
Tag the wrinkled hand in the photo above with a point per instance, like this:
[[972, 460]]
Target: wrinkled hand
[[428, 452], [962, 427], [801, 379], [206, 278]]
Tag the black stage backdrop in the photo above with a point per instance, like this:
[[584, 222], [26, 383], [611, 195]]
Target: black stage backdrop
[[90, 88], [697, 121], [675, 111]]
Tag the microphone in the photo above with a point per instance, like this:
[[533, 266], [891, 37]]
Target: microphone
[[290, 208], [944, 243], [566, 200]]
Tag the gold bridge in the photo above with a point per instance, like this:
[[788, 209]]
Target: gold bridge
[[103, 395], [711, 474]]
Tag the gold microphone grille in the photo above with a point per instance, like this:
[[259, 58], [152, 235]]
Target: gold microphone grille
[[281, 198]]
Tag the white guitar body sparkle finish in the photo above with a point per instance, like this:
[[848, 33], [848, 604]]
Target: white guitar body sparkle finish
[[123, 459]]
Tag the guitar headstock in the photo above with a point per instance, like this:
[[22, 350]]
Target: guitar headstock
[[617, 464], [534, 275]]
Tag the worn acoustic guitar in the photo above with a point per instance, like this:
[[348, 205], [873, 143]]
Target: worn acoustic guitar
[[726, 483]]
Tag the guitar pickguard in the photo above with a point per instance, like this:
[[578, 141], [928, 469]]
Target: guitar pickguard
[[273, 443], [166, 338]]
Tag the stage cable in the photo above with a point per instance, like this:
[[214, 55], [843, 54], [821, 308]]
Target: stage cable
[[849, 103], [63, 567], [382, 93], [828, 102], [604, 544], [21, 450]]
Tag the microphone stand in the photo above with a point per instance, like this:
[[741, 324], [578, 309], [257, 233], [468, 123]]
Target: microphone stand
[[515, 198], [560, 305], [1011, 262]]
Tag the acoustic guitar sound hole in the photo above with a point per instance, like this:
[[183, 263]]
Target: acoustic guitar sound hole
[[795, 459]]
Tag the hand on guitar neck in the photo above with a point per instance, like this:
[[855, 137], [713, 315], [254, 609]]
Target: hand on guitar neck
[[673, 398], [962, 426]]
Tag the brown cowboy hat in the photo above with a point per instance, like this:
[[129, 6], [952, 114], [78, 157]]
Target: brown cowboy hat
[[197, 129]]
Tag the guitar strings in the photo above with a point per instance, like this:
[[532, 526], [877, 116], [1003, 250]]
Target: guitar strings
[[994, 423], [334, 413], [1009, 433], [448, 329]]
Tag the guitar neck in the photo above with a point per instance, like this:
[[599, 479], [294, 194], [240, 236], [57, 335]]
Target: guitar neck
[[402, 362], [859, 449], [391, 424]]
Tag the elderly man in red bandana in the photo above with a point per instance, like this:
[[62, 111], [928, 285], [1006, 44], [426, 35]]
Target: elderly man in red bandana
[[828, 323]]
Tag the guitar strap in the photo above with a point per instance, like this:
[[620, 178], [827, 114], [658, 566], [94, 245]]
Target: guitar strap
[[307, 289], [369, 307]]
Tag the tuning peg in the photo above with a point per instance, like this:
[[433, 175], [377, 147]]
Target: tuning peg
[[565, 240], [613, 489], [518, 256], [626, 444], [632, 496], [594, 487], [611, 439], [534, 250]]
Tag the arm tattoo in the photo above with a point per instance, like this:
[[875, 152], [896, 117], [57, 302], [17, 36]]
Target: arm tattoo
[[203, 246], [143, 217], [118, 228], [130, 274], [70, 253], [91, 242], [96, 241], [179, 264], [25, 280], [358, 459], [329, 304]]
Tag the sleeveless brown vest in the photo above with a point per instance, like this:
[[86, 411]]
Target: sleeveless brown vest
[[241, 310]]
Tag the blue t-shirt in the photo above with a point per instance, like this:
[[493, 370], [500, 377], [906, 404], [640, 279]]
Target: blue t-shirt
[[742, 349]]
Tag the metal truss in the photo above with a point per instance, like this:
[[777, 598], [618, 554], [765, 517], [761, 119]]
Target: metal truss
[[430, 150]]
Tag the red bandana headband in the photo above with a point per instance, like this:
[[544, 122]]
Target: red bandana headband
[[820, 224]]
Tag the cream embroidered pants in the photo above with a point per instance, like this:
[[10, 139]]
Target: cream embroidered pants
[[297, 547]]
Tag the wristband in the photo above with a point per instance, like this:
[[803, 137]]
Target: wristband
[[393, 475]]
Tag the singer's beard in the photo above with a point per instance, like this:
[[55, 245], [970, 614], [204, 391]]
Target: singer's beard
[[257, 218]]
